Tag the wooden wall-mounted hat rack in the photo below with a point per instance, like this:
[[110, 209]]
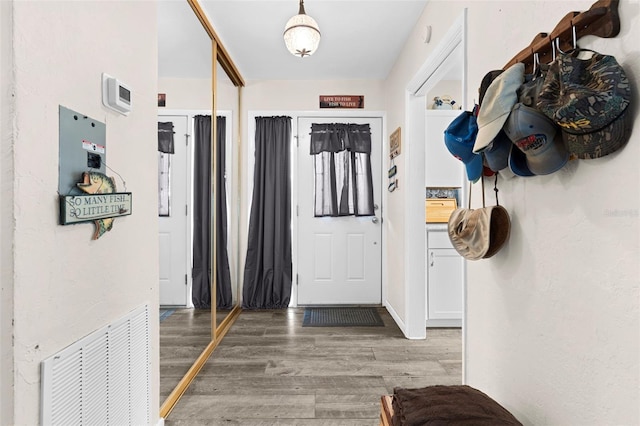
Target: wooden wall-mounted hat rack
[[601, 20]]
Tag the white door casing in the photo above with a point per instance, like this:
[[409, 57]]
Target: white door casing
[[339, 258], [173, 229]]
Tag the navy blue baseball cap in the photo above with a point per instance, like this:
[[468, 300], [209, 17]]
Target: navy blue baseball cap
[[496, 155], [459, 138], [518, 162]]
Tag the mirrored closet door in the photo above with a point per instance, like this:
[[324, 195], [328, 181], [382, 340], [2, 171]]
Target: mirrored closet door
[[198, 203]]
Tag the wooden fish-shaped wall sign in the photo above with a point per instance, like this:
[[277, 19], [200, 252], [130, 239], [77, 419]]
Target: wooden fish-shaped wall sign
[[98, 183], [99, 204]]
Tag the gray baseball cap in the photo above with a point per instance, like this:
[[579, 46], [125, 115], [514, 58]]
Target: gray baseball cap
[[538, 138]]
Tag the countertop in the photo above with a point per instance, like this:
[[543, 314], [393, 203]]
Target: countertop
[[436, 226]]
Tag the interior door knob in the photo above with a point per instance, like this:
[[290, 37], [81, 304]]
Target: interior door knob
[[374, 219]]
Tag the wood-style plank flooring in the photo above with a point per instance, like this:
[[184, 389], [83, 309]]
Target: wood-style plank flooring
[[269, 370]]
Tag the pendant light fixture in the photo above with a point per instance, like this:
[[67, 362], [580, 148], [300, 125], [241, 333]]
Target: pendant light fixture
[[301, 34]]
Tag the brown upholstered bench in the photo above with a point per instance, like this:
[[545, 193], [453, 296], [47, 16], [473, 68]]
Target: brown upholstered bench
[[443, 405]]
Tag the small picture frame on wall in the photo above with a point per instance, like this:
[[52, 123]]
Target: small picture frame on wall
[[162, 99], [395, 143]]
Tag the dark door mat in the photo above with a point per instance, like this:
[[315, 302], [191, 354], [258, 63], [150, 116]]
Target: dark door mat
[[342, 317]]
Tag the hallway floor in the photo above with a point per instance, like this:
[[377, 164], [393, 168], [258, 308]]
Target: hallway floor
[[269, 370]]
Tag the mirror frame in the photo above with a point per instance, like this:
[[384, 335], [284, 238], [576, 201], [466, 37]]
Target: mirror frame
[[218, 331]]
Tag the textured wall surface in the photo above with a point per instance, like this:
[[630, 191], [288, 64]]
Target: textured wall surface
[[553, 319], [6, 212], [67, 285]]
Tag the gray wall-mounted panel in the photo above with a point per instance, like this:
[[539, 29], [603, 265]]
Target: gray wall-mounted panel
[[82, 142]]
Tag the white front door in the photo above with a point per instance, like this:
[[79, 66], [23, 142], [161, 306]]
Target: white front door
[[173, 219], [339, 258]]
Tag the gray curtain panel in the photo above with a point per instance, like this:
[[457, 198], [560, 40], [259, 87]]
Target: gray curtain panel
[[165, 137], [224, 299], [201, 272], [267, 273], [343, 182]]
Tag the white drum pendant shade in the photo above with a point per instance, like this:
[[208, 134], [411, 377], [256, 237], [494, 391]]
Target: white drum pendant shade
[[301, 34]]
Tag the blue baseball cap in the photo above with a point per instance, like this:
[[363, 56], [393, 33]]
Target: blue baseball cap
[[496, 155], [518, 162], [459, 138]]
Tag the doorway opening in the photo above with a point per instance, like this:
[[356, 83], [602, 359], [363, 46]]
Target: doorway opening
[[449, 56]]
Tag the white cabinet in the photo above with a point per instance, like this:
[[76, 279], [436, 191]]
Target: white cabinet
[[444, 266], [445, 275], [441, 168]]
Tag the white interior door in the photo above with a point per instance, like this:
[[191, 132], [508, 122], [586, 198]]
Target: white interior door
[[339, 258], [173, 232]]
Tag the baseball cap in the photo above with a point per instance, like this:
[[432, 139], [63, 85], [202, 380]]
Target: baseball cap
[[588, 97], [459, 137], [601, 142], [496, 155], [498, 100], [518, 162], [529, 91], [538, 138], [486, 82]]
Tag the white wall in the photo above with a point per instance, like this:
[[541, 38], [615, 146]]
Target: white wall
[[186, 93], [195, 93], [65, 284], [303, 95], [553, 319], [6, 215]]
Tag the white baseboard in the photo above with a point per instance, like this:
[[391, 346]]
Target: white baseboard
[[399, 321], [452, 323]]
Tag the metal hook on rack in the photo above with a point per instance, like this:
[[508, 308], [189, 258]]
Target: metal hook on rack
[[574, 39]]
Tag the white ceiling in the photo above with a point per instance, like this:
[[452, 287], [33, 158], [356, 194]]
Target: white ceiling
[[361, 39]]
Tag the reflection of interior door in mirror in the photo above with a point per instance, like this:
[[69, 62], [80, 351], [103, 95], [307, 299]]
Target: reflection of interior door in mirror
[[172, 222]]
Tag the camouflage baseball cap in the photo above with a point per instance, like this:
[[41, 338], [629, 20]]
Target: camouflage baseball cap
[[602, 142], [529, 91], [587, 97]]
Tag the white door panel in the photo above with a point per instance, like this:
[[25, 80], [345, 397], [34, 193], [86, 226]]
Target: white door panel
[[173, 233], [339, 258]]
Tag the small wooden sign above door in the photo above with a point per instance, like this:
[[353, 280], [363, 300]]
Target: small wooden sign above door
[[341, 101]]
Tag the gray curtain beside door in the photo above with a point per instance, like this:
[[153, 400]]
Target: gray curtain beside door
[[201, 272], [267, 273], [224, 298]]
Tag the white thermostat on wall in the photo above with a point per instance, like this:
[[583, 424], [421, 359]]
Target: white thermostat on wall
[[115, 94]]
